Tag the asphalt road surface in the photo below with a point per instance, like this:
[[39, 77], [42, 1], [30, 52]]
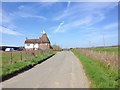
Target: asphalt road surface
[[63, 70]]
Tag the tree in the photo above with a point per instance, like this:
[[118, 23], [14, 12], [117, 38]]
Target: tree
[[56, 47]]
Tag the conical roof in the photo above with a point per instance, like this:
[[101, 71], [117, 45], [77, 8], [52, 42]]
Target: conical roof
[[44, 38]]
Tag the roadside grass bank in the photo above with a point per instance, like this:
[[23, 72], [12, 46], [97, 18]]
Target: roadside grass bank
[[8, 58], [100, 75], [109, 50], [18, 67]]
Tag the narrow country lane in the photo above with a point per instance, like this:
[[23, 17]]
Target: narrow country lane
[[63, 70]]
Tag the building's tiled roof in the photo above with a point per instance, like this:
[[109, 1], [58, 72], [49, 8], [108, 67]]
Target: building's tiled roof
[[43, 39], [33, 41]]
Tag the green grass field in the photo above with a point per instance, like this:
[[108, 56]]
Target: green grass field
[[98, 73], [109, 50], [16, 57], [18, 65]]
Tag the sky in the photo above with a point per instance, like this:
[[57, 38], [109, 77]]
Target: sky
[[67, 24]]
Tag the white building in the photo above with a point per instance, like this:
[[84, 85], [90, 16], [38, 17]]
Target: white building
[[36, 44]]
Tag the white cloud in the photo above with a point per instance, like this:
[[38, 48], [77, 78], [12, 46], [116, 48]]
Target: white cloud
[[7, 26], [26, 15], [111, 26], [68, 5], [81, 23], [21, 7], [85, 9], [59, 27], [60, 0], [28, 12], [96, 38], [46, 1], [5, 30], [63, 13], [7, 20], [91, 14]]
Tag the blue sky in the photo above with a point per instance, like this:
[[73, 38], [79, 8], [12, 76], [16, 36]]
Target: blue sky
[[68, 24]]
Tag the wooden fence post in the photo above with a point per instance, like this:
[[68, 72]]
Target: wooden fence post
[[11, 57], [21, 55], [25, 54], [37, 53]]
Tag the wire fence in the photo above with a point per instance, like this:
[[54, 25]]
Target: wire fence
[[12, 57], [110, 59]]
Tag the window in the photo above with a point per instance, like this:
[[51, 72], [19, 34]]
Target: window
[[28, 44]]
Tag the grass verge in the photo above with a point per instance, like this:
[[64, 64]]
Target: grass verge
[[98, 73], [20, 66], [109, 50]]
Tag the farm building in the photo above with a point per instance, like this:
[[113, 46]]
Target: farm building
[[38, 44]]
